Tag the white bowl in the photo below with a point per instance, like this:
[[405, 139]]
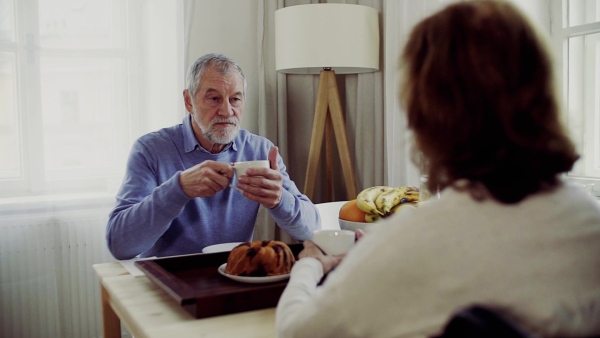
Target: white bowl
[[349, 225]]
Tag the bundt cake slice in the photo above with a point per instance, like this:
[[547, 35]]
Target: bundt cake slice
[[260, 259]]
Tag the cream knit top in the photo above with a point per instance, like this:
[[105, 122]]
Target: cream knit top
[[538, 261]]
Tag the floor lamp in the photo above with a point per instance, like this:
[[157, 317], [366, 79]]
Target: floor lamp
[[327, 39]]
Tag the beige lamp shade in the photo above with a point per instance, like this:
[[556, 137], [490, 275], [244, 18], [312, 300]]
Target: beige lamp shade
[[342, 37]]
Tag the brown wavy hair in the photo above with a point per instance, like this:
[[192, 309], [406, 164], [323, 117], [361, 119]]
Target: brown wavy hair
[[481, 102]]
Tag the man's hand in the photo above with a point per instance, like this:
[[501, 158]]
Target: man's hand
[[263, 185], [312, 250], [205, 179]]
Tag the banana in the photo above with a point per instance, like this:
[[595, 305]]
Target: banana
[[411, 194], [366, 199], [370, 218], [387, 200], [380, 201]]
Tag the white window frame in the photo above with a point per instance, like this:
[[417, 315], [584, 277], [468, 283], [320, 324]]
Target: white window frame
[[32, 181], [589, 134]]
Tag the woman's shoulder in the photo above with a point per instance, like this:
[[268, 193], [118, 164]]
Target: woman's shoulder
[[574, 198]]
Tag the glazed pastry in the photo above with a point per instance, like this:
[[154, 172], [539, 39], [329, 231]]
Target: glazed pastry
[[260, 258]]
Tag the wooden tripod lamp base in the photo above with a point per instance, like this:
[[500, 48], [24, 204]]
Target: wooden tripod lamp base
[[328, 114]]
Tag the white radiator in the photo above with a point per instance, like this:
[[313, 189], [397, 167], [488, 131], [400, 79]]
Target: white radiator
[[47, 285]]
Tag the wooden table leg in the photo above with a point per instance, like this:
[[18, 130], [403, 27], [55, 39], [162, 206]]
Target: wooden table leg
[[111, 324]]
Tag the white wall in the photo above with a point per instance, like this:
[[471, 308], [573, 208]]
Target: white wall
[[230, 27]]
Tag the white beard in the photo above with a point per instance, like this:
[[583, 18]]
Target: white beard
[[222, 136]]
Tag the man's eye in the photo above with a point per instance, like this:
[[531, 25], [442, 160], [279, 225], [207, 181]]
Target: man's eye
[[214, 98]]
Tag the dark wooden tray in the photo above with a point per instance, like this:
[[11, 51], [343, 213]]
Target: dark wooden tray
[[194, 282]]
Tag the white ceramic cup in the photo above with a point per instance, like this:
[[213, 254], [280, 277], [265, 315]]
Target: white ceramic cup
[[334, 242], [241, 167]]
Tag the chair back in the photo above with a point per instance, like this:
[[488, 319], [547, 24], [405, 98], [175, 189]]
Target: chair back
[[330, 212], [478, 321]]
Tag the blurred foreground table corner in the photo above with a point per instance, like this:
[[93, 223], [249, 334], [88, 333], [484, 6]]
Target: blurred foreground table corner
[[148, 311]]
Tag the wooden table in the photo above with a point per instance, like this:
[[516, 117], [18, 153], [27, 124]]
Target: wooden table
[[148, 312]]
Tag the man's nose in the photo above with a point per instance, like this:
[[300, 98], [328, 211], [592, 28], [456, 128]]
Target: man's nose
[[226, 109]]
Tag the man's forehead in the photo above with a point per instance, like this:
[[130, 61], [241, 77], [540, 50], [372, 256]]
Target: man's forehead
[[217, 82]]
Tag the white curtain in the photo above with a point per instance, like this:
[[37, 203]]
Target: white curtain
[[95, 75], [400, 16]]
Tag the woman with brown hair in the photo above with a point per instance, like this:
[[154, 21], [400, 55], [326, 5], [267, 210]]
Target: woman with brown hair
[[481, 102], [506, 233]]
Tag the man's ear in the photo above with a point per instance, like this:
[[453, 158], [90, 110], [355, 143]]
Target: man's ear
[[187, 99]]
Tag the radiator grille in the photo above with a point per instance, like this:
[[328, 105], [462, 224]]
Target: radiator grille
[[47, 284]]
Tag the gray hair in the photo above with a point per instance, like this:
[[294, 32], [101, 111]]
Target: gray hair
[[218, 62]]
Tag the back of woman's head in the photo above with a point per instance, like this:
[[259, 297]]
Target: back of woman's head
[[480, 100]]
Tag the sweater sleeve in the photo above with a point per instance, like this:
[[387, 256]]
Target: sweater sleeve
[[144, 209], [305, 276], [307, 310], [296, 214]]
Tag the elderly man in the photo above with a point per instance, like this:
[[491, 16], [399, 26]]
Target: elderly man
[[176, 196]]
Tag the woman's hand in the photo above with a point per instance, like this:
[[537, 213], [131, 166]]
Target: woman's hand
[[359, 234], [312, 250], [329, 262]]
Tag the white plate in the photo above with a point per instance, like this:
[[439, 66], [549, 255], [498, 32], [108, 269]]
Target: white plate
[[253, 280], [221, 247]]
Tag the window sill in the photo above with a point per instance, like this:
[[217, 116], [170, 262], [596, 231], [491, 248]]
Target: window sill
[[590, 184], [55, 203]]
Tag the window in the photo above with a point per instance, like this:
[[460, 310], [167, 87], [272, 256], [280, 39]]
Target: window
[[73, 75], [576, 36]]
